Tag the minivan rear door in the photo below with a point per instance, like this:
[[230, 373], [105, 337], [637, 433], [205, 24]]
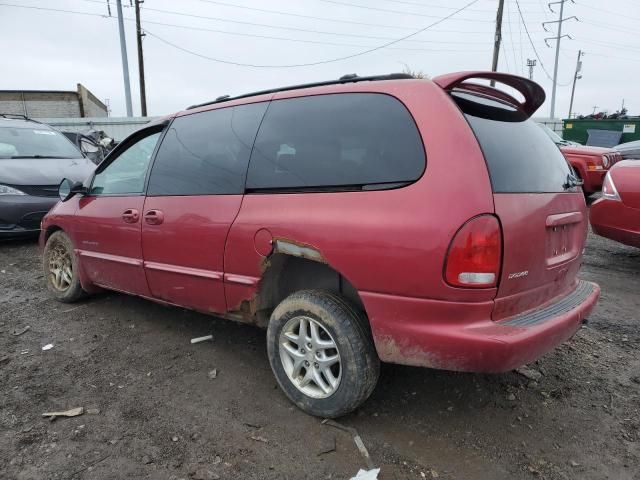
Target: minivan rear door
[[537, 200]]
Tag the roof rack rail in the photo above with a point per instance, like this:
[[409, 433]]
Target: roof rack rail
[[349, 78]]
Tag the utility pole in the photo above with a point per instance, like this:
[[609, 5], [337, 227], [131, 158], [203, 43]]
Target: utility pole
[[125, 62], [557, 38], [576, 77], [531, 63], [139, 35], [497, 39]]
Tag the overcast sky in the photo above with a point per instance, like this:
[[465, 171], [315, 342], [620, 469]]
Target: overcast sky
[[49, 50]]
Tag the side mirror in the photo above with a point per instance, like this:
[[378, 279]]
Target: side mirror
[[68, 189]]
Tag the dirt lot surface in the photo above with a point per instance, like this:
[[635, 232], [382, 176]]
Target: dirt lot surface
[[160, 415]]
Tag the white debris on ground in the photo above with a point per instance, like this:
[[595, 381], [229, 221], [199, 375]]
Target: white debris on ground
[[202, 339], [367, 474]]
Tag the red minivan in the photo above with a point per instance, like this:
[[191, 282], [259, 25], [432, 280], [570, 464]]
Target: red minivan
[[419, 222]]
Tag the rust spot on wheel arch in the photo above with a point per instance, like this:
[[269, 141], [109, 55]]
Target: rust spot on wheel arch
[[247, 310], [297, 249]]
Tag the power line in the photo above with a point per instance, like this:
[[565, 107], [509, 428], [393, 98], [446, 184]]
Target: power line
[[364, 52], [88, 14], [526, 29], [267, 37], [368, 49], [400, 12], [606, 55], [521, 49], [336, 20], [608, 26], [609, 12], [617, 46], [429, 5], [299, 15], [544, 10], [513, 47], [425, 5], [294, 29], [295, 40]]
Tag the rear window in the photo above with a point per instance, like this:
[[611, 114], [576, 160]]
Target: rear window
[[337, 141], [520, 156]]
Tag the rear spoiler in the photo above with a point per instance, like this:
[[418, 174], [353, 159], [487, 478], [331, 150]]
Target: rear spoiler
[[533, 93]]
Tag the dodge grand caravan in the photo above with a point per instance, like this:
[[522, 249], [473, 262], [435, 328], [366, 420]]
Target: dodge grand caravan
[[419, 222]]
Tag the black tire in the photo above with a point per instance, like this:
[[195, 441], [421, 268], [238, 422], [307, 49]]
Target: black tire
[[59, 242], [348, 328]]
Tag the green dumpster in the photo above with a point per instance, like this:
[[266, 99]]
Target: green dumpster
[[576, 129]]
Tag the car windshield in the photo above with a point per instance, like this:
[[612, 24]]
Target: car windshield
[[35, 142]]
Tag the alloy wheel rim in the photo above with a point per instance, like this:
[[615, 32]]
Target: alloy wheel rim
[[60, 267], [310, 357]]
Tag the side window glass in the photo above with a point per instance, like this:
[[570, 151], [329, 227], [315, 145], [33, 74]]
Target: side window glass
[[345, 140], [206, 153], [126, 174]]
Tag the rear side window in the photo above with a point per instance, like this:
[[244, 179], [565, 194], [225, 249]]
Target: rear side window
[[520, 156], [341, 141], [206, 153]]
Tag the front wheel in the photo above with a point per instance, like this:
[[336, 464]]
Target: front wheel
[[61, 268], [321, 353]]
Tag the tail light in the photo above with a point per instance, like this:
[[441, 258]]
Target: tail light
[[609, 189], [475, 254]]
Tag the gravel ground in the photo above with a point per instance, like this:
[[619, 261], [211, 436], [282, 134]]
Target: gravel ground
[[153, 410]]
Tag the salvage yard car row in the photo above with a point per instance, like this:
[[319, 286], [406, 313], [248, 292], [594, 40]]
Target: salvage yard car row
[[328, 213]]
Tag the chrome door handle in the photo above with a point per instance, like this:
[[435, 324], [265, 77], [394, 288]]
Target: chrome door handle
[[131, 215], [154, 217]]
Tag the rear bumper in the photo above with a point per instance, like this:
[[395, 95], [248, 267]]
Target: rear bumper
[[462, 337], [20, 215], [614, 220]]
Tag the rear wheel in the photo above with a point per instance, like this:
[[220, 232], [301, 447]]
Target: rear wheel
[[61, 268], [321, 353]]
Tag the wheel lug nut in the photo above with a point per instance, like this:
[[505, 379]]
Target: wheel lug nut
[[316, 365], [306, 363], [302, 351], [310, 346]]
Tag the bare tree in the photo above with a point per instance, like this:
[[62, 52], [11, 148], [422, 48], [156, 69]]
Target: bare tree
[[414, 73]]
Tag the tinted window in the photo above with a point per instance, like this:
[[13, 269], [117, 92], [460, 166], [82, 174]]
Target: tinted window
[[520, 156], [339, 140], [126, 174], [206, 153]]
